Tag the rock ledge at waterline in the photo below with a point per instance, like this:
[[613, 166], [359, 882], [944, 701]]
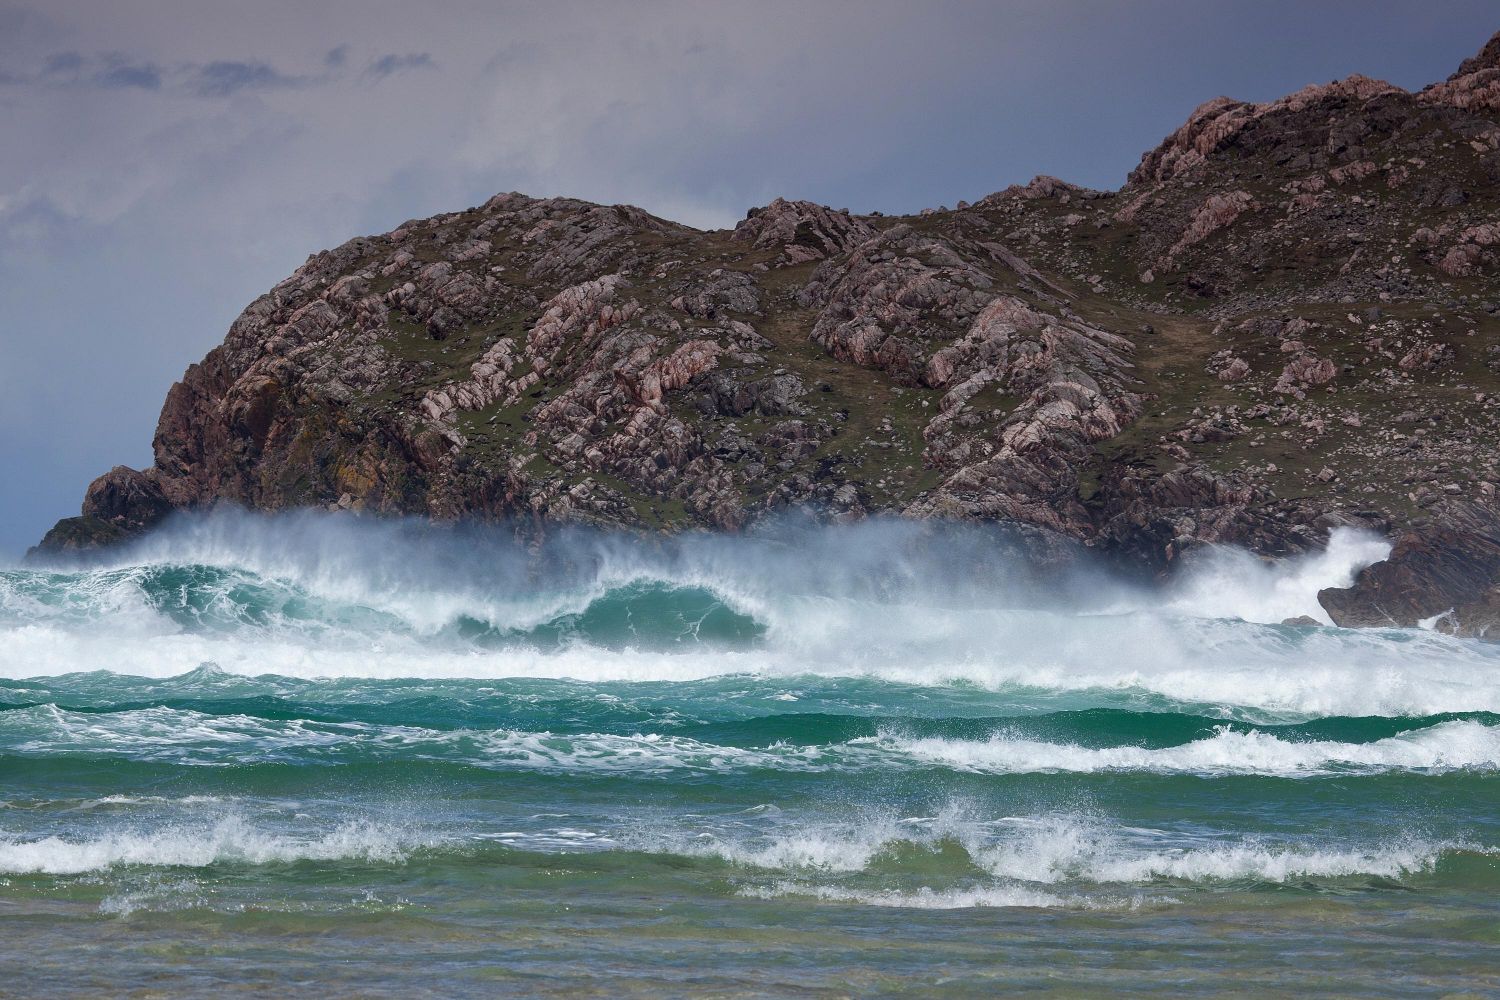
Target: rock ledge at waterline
[[1287, 319]]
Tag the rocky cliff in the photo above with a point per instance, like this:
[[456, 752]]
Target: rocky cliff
[[1287, 319]]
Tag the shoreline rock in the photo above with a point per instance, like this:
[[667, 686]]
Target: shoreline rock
[[1284, 321], [1446, 570]]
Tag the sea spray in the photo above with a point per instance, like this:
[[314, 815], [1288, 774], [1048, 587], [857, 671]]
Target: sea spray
[[323, 595], [320, 717], [1224, 582]]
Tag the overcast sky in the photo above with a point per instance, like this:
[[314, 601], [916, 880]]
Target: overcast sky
[[162, 162]]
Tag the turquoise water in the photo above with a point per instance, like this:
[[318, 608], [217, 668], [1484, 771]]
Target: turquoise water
[[262, 756]]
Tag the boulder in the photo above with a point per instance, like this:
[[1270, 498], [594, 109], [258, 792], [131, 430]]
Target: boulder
[[1432, 570]]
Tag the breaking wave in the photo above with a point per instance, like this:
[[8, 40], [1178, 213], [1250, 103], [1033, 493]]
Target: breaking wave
[[269, 710], [222, 601], [1046, 850], [326, 596], [229, 840], [948, 860]]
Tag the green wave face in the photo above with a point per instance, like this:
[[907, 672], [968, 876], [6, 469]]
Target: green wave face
[[222, 601], [646, 615], [884, 740]]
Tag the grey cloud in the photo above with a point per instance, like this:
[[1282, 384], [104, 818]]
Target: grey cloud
[[513, 55], [109, 71], [63, 64], [144, 76], [392, 63], [26, 27], [33, 226], [119, 71], [336, 57], [224, 78]]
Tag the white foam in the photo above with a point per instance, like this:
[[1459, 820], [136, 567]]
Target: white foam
[[1240, 862], [1446, 745], [839, 850], [184, 736], [1187, 661], [1232, 583], [928, 898], [877, 601], [1051, 850], [230, 840], [1044, 851], [803, 579], [111, 599], [844, 845]]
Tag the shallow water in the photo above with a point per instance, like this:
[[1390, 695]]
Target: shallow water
[[263, 755]]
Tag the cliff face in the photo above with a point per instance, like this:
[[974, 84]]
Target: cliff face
[[1286, 319]]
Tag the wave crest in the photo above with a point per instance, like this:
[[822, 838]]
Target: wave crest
[[919, 604], [230, 840], [882, 860], [235, 603]]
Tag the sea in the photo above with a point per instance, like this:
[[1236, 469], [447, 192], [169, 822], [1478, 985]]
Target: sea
[[257, 755]]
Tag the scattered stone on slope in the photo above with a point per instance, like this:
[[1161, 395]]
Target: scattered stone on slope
[[1284, 321]]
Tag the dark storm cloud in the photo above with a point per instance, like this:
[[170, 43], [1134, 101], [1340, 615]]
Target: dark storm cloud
[[392, 63]]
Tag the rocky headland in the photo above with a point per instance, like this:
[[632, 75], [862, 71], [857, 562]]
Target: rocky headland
[[1287, 319]]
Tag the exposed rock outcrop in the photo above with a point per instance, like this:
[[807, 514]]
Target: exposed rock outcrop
[[1285, 320], [1448, 570], [1475, 86], [801, 230]]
